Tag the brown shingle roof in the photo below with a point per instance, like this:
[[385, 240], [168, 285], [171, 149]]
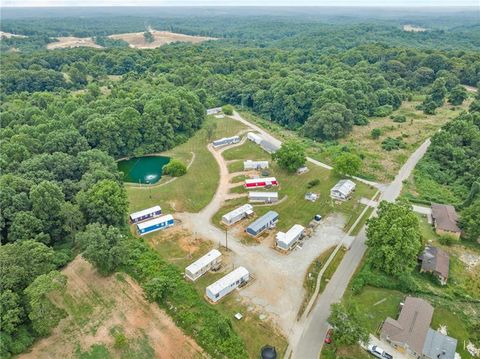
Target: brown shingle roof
[[445, 217], [412, 325], [435, 260]]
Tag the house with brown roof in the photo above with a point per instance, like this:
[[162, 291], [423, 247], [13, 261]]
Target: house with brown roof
[[444, 218], [436, 261], [408, 333]]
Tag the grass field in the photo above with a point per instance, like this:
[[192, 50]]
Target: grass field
[[378, 164], [294, 208], [194, 190]]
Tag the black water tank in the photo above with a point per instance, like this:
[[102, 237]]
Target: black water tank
[[268, 352]]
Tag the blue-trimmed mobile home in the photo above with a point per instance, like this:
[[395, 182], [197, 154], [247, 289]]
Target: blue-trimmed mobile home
[[268, 220], [155, 224], [140, 216]]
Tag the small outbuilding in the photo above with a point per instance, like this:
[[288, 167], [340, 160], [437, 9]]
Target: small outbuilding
[[227, 284], [263, 197], [444, 218], [237, 214], [436, 261], [254, 137], [226, 141], [312, 197], [269, 147], [155, 224], [261, 182], [209, 261], [254, 165], [286, 241], [214, 110], [268, 220], [343, 190], [140, 216]]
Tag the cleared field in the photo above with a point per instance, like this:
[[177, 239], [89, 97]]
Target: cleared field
[[194, 190], [292, 207], [9, 35], [71, 41], [109, 317], [137, 40]]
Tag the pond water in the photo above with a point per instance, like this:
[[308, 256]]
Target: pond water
[[144, 170]]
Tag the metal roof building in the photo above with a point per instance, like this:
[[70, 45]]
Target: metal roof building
[[237, 214], [155, 224], [343, 189], [203, 265], [145, 214], [254, 165], [269, 147], [268, 220], [438, 345], [226, 284], [266, 197], [254, 137], [226, 141], [285, 241]]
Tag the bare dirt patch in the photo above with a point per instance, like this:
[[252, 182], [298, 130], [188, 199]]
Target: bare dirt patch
[[9, 35], [71, 41], [137, 40], [413, 28], [97, 305]]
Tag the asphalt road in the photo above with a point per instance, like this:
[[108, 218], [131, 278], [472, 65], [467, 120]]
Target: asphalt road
[[310, 342]]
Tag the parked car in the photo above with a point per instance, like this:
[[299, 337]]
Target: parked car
[[379, 352], [328, 337]]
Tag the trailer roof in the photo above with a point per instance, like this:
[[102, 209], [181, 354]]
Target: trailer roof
[[344, 186], [227, 280], [291, 235], [260, 222], [203, 261], [155, 221], [240, 210], [144, 212], [263, 194], [264, 179]]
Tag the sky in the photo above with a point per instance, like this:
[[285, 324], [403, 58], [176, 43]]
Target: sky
[[356, 3]]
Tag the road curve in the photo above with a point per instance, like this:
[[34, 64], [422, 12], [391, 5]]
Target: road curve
[[309, 343]]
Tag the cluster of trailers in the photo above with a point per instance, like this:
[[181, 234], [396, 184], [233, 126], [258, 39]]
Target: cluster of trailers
[[150, 220], [225, 285]]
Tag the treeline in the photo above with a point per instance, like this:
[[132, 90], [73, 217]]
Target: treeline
[[450, 170], [59, 178]]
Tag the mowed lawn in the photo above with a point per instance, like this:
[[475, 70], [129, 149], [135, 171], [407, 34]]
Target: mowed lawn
[[292, 207], [194, 190]]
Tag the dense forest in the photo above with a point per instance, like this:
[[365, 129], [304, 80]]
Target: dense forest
[[68, 114]]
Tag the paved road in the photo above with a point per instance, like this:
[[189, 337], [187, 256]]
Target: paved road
[[310, 342]]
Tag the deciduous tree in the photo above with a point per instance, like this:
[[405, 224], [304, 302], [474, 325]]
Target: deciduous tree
[[290, 156]]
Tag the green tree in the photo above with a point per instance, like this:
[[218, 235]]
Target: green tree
[[227, 110], [375, 133], [332, 121], [347, 164], [11, 313], [175, 168], [25, 226], [41, 311], [290, 156], [470, 221], [457, 95], [394, 234], [148, 36], [349, 324], [102, 246], [105, 202], [429, 108]]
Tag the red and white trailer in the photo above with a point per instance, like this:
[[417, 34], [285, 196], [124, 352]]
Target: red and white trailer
[[261, 182]]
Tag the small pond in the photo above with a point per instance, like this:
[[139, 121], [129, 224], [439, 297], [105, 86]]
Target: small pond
[[143, 170]]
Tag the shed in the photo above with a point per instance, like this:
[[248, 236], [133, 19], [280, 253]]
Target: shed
[[254, 165], [214, 110], [264, 197], [226, 141], [237, 214], [342, 190], [151, 212], [438, 346], [436, 261], [312, 197], [254, 137], [226, 284], [268, 220], [155, 224], [445, 219], [269, 147], [261, 182], [286, 241], [202, 265]]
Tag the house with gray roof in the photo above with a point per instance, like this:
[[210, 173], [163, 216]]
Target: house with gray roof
[[444, 219], [439, 346], [436, 261]]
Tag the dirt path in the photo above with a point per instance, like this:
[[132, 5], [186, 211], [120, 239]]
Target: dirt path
[[96, 305]]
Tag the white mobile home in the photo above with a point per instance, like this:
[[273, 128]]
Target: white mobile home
[[226, 141], [269, 147], [254, 165], [226, 284], [213, 111], [155, 224], [202, 265], [265, 197], [285, 241], [237, 214], [342, 190], [254, 137], [151, 212]]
